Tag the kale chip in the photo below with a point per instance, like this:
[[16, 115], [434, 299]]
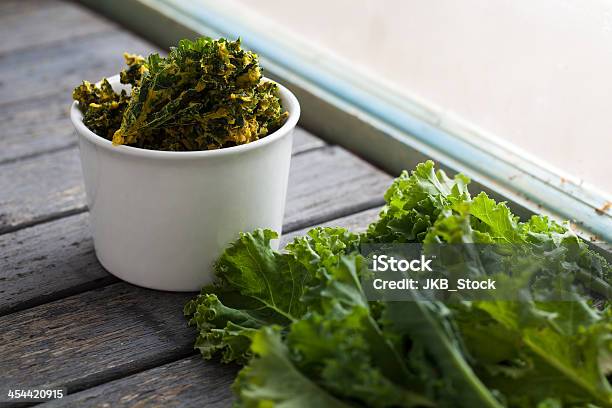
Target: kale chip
[[206, 94], [101, 106]]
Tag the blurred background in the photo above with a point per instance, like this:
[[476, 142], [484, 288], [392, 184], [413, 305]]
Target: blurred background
[[535, 74]]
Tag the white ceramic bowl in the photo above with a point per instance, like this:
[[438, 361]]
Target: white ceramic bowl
[[160, 219]]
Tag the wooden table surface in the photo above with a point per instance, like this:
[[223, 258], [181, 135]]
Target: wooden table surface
[[64, 320]]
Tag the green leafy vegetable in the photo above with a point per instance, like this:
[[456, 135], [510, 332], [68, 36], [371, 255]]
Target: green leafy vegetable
[[442, 355], [206, 94], [272, 379], [300, 323], [550, 350]]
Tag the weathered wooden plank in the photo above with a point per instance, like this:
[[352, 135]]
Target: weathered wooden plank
[[11, 7], [117, 330], [187, 382], [325, 184], [357, 222], [330, 183], [47, 262], [35, 126], [91, 338], [190, 382], [56, 70], [304, 141], [38, 26], [56, 259], [40, 188]]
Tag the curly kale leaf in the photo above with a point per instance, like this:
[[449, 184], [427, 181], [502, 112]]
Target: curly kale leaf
[[437, 352], [414, 202], [332, 347], [348, 355], [101, 106], [336, 344], [262, 285], [531, 351], [272, 379], [534, 351], [257, 286]]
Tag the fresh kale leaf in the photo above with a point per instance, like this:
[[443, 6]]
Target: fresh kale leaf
[[300, 322], [414, 202], [559, 350], [272, 379], [255, 287]]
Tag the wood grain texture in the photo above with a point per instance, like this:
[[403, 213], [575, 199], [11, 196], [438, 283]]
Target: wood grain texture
[[357, 222], [8, 8], [190, 382], [38, 25], [50, 186], [56, 70], [89, 339], [330, 183], [304, 141], [35, 126], [36, 189], [47, 262], [67, 322], [55, 259], [94, 337]]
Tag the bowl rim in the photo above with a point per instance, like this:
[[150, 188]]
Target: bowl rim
[[289, 102]]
